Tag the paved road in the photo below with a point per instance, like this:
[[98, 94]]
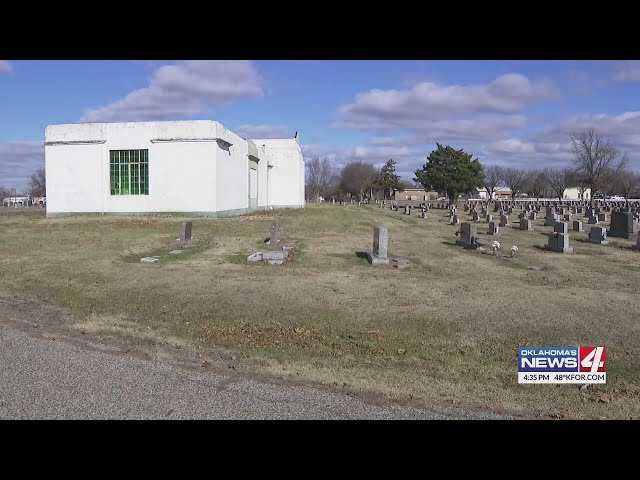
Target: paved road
[[42, 378]]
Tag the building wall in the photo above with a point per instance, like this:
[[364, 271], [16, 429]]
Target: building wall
[[500, 193], [189, 170], [573, 193], [286, 177], [74, 176], [415, 194], [262, 177], [232, 176]]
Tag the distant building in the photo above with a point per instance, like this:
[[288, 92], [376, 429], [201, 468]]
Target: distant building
[[416, 194], [498, 194], [572, 193]]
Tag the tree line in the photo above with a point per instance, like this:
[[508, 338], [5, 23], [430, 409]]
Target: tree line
[[356, 180], [597, 165]]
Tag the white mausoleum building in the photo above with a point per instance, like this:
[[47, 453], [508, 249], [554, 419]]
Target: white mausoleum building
[[185, 167]]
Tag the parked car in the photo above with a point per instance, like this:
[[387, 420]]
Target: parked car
[[616, 198], [441, 199]]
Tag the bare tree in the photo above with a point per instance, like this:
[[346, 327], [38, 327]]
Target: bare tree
[[515, 179], [320, 178], [559, 179], [492, 178], [38, 184], [4, 193], [626, 182], [595, 159], [356, 178], [536, 182]]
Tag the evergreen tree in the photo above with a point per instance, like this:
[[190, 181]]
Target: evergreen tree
[[388, 181], [452, 171]]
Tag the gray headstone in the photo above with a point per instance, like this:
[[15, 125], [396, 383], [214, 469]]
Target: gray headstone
[[504, 220], [561, 227], [380, 246], [577, 226], [274, 234], [550, 218], [185, 232], [468, 235], [380, 241], [623, 225], [493, 228], [525, 224], [598, 235], [559, 242]]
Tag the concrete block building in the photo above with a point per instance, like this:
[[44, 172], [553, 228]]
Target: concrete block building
[[185, 167]]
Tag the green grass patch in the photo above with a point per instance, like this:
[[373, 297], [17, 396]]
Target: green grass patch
[[237, 259]]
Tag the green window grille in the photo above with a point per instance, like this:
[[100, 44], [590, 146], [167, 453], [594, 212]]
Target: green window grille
[[129, 172]]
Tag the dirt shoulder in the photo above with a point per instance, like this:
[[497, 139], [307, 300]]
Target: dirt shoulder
[[41, 319]]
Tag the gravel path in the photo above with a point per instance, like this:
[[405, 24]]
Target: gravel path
[[43, 378]]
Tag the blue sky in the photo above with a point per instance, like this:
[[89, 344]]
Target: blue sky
[[517, 113]]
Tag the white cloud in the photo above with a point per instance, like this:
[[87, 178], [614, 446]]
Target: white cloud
[[511, 146], [183, 89], [425, 102], [381, 141], [627, 71], [624, 125], [467, 116], [5, 67], [486, 120], [517, 153], [263, 131], [18, 160], [551, 146]]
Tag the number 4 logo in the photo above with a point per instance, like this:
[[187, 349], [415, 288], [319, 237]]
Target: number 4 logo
[[593, 359]]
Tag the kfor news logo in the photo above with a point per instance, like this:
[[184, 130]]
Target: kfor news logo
[[562, 365]]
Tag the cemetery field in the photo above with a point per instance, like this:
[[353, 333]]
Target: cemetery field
[[445, 330]]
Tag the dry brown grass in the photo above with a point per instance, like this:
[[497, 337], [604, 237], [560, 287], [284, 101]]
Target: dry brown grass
[[446, 329]]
